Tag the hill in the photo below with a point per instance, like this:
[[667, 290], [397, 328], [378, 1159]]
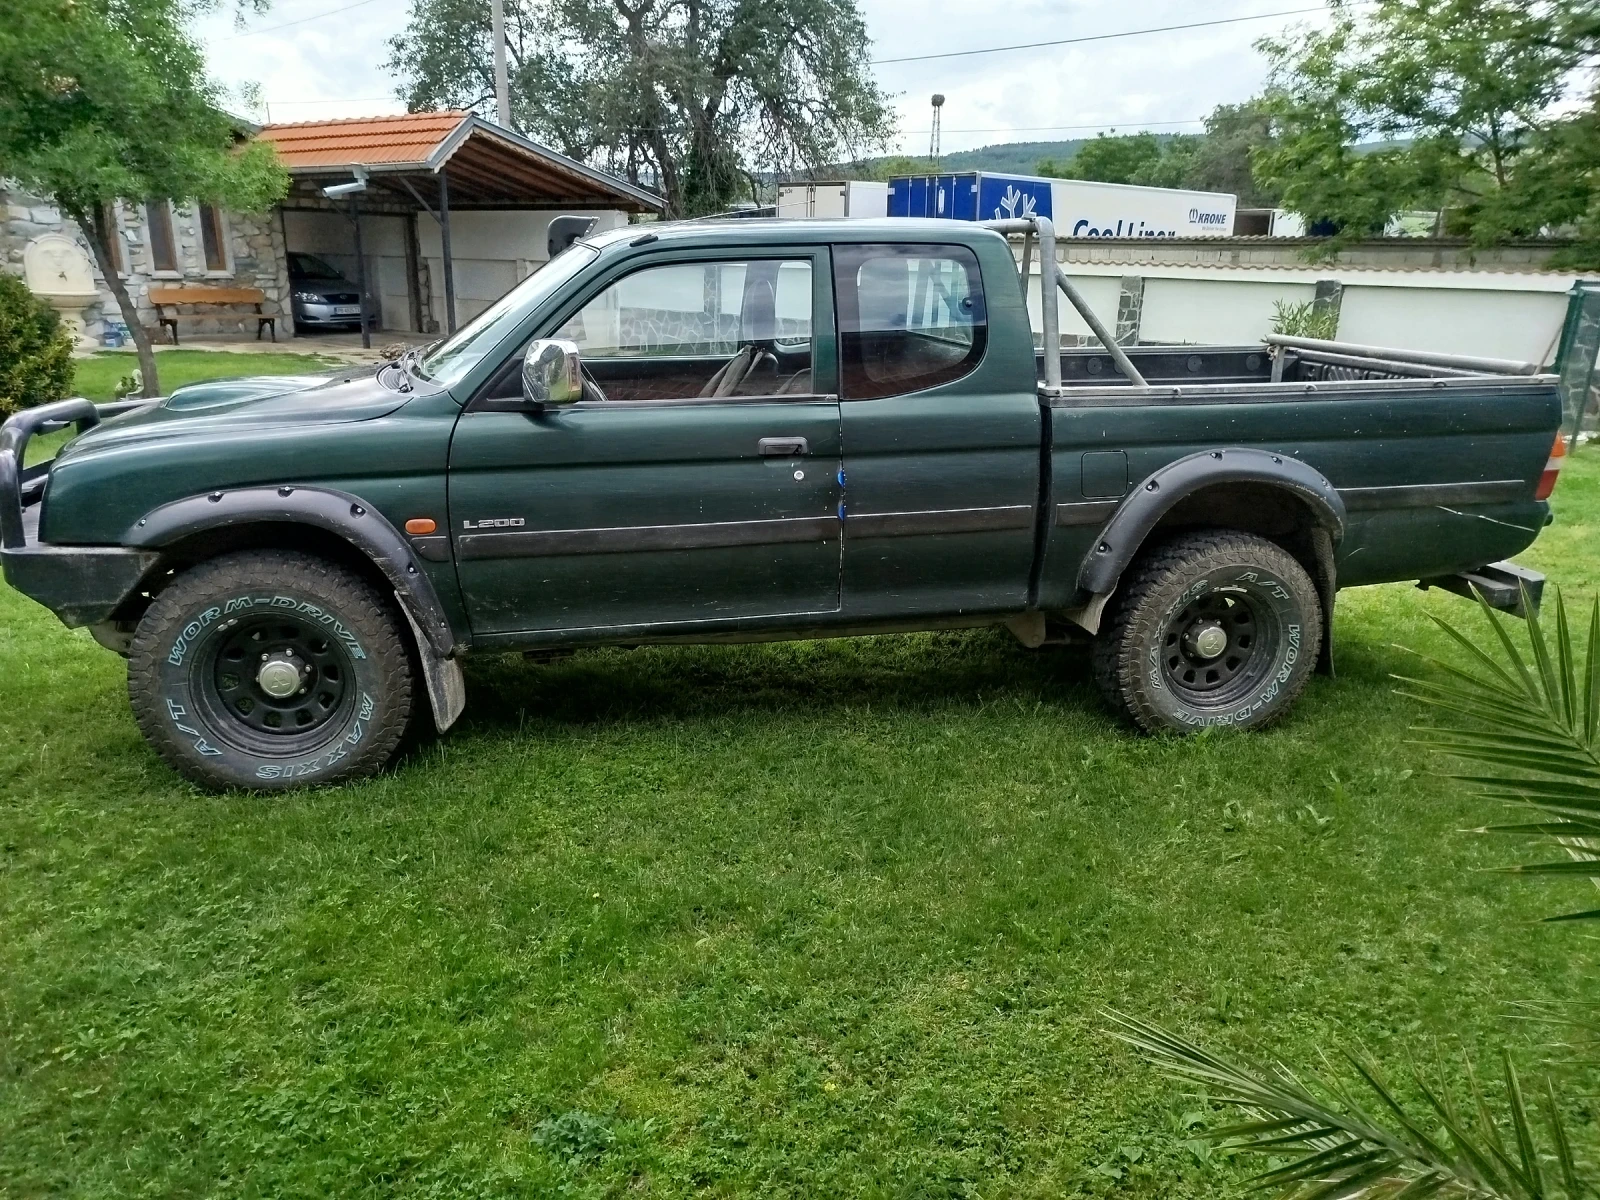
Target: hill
[[1011, 158]]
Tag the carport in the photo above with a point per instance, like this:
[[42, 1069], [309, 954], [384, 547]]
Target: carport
[[446, 212]]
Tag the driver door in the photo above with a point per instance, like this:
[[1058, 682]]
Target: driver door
[[697, 482]]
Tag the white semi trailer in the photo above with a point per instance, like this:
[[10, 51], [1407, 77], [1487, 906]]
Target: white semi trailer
[[843, 198]]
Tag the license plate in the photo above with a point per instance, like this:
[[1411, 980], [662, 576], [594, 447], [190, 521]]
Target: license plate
[[347, 310]]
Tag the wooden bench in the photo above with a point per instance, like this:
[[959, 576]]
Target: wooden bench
[[164, 298]]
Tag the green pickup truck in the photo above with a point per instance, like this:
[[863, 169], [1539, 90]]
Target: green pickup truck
[[753, 430]]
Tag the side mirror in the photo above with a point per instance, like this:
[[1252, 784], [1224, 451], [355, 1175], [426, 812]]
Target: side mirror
[[551, 373]]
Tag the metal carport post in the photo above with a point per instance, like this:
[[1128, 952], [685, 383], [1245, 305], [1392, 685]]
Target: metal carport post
[[444, 239], [442, 217]]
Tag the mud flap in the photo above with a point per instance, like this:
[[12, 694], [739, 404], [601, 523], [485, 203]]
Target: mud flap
[[447, 688], [1328, 586]]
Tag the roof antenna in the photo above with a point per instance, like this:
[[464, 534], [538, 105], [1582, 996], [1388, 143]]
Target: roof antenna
[[933, 143]]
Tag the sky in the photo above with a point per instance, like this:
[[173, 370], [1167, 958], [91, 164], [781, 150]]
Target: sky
[[316, 59]]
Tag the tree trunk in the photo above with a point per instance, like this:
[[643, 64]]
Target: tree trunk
[[93, 223]]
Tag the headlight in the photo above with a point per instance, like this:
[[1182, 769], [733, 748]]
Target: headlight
[[310, 298]]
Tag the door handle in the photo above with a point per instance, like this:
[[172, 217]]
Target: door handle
[[783, 447]]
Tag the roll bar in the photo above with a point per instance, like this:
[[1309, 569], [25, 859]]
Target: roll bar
[[1050, 312]]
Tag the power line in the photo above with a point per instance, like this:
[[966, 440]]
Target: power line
[[1063, 128], [332, 12], [338, 100], [1099, 37]]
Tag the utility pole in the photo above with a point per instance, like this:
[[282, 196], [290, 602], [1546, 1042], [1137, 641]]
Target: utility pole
[[502, 89]]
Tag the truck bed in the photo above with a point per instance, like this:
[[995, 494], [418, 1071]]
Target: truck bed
[[1436, 462]]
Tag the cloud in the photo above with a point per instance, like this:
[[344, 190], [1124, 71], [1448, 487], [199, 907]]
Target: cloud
[[314, 59], [330, 65], [1048, 93]]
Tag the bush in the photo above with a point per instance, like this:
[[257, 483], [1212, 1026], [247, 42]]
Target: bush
[[35, 351], [1305, 320]]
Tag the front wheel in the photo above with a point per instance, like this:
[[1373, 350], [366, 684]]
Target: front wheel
[[1210, 628], [270, 669]]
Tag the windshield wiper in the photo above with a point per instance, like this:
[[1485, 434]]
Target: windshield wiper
[[407, 364], [411, 360]]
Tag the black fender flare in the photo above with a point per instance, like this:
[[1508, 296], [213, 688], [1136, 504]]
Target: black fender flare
[[339, 513], [1125, 532]]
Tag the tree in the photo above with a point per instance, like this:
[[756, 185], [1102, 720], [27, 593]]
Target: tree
[[1111, 158], [1461, 90], [1557, 186], [1218, 160], [893, 166], [696, 96], [103, 100]]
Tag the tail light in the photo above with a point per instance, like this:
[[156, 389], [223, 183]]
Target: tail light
[[1552, 469]]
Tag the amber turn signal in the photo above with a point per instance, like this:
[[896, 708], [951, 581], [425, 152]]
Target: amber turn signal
[[421, 525]]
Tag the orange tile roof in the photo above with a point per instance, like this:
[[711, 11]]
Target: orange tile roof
[[404, 138]]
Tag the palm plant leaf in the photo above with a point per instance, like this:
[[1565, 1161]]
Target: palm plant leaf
[[1533, 720], [1343, 1150]]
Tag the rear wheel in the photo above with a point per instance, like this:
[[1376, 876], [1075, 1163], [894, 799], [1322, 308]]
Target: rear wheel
[[1210, 628], [270, 669]]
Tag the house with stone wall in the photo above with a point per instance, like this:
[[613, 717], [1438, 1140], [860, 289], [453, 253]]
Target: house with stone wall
[[449, 213], [159, 243]]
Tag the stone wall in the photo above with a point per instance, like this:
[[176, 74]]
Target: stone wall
[[256, 259], [27, 217]]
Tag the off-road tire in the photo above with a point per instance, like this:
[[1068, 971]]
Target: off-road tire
[[198, 698], [1146, 659]]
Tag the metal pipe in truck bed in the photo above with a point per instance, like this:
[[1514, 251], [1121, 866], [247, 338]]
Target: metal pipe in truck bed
[[1464, 362]]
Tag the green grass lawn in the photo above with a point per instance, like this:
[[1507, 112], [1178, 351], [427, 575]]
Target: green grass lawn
[[98, 375], [826, 919]]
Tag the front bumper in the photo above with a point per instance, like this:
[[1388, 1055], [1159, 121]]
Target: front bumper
[[83, 585], [323, 314]]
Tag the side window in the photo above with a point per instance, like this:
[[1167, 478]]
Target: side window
[[910, 317], [705, 329]]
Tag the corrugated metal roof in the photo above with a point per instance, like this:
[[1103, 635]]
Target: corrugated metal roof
[[406, 138], [487, 165]]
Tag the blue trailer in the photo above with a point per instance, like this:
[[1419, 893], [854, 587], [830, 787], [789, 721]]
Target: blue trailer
[[1078, 207], [970, 196]]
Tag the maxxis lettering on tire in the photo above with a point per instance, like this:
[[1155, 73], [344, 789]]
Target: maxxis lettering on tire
[[1252, 598], [198, 696]]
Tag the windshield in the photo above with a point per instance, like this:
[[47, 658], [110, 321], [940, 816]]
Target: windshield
[[453, 359], [309, 266]]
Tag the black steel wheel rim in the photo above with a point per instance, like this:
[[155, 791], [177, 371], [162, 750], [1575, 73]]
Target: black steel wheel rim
[[1219, 647], [228, 682]]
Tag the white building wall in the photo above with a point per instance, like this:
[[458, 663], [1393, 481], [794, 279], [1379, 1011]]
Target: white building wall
[[1514, 314], [1100, 291], [1498, 324], [493, 252], [1213, 311]]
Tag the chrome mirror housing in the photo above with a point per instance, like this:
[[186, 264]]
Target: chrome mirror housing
[[551, 373]]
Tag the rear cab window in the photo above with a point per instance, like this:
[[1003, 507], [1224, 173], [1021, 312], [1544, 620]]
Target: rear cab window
[[911, 317]]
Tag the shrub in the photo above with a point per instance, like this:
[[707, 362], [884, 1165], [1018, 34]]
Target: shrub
[[35, 351], [1305, 320]]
